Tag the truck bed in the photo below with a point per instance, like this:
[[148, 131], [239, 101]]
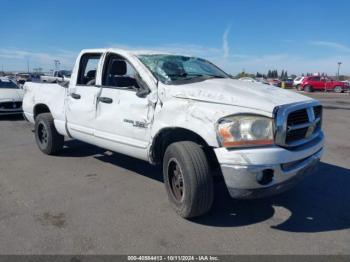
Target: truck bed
[[52, 95]]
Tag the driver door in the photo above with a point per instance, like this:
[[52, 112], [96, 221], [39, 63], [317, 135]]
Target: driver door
[[123, 118]]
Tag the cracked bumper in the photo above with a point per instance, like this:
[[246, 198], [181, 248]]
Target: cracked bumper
[[242, 168]]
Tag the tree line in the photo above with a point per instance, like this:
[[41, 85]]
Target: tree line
[[273, 74]]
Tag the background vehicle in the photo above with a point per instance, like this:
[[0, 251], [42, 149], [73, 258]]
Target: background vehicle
[[11, 97], [57, 76], [275, 82], [297, 81], [187, 115], [21, 78], [287, 82], [347, 82], [317, 83]]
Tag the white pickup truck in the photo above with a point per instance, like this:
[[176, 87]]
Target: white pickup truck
[[186, 114]]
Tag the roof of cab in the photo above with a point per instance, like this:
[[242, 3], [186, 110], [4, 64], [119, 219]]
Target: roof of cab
[[125, 52]]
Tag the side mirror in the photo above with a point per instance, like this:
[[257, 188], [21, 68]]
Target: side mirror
[[142, 92], [64, 84]]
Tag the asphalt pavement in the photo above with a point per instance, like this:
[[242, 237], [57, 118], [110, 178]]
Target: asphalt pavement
[[91, 201]]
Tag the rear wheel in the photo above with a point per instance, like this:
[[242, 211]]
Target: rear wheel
[[187, 179], [47, 138], [338, 89], [308, 88]]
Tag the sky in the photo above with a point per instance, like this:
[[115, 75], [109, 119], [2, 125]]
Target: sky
[[254, 36]]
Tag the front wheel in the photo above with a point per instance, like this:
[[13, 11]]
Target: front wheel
[[187, 179], [308, 89], [338, 89], [47, 138]]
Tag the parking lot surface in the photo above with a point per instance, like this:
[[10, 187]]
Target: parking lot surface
[[91, 201]]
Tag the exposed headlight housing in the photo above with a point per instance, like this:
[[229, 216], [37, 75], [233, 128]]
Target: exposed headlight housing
[[245, 130]]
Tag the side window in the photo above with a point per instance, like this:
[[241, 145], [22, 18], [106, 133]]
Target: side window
[[119, 73], [87, 69]]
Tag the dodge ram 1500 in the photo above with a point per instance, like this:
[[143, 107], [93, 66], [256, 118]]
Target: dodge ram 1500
[[187, 114]]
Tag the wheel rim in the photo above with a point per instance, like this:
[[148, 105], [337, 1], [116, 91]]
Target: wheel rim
[[338, 89], [176, 180], [43, 135]]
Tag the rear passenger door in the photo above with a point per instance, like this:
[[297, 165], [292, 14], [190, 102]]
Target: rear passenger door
[[81, 101]]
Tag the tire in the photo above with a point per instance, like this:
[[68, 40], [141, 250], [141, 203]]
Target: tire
[[338, 89], [47, 138], [308, 88], [299, 88], [187, 179]]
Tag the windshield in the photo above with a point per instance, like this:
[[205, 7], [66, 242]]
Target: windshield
[[172, 69], [8, 84]]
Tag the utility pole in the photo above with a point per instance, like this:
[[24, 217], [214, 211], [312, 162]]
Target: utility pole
[[57, 64], [339, 63]]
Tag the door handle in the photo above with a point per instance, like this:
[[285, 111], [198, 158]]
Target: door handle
[[75, 96], [106, 100]]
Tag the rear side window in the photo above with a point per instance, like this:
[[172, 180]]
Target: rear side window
[[88, 68], [315, 78]]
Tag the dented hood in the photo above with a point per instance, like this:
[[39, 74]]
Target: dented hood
[[237, 93], [11, 94]]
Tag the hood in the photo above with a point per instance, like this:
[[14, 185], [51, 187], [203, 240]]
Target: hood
[[11, 94], [237, 93]]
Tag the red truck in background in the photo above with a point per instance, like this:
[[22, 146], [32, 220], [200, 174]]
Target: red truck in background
[[318, 83]]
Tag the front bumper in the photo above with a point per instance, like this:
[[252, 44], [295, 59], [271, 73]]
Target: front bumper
[[5, 110], [244, 169], [11, 112]]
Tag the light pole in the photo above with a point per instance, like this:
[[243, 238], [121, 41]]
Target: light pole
[[339, 63]]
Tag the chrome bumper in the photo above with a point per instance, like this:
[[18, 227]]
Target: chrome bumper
[[246, 180], [8, 113]]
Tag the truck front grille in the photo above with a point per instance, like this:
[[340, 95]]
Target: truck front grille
[[297, 117], [296, 134], [298, 124]]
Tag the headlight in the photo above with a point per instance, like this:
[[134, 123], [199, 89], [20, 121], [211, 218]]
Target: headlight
[[245, 130]]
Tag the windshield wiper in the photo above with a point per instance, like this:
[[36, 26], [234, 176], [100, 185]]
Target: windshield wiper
[[187, 76]]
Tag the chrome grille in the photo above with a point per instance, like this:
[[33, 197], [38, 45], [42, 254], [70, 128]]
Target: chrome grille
[[297, 117], [298, 123], [296, 134]]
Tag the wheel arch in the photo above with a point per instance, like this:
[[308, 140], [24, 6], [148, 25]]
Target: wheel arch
[[40, 108], [169, 135]]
